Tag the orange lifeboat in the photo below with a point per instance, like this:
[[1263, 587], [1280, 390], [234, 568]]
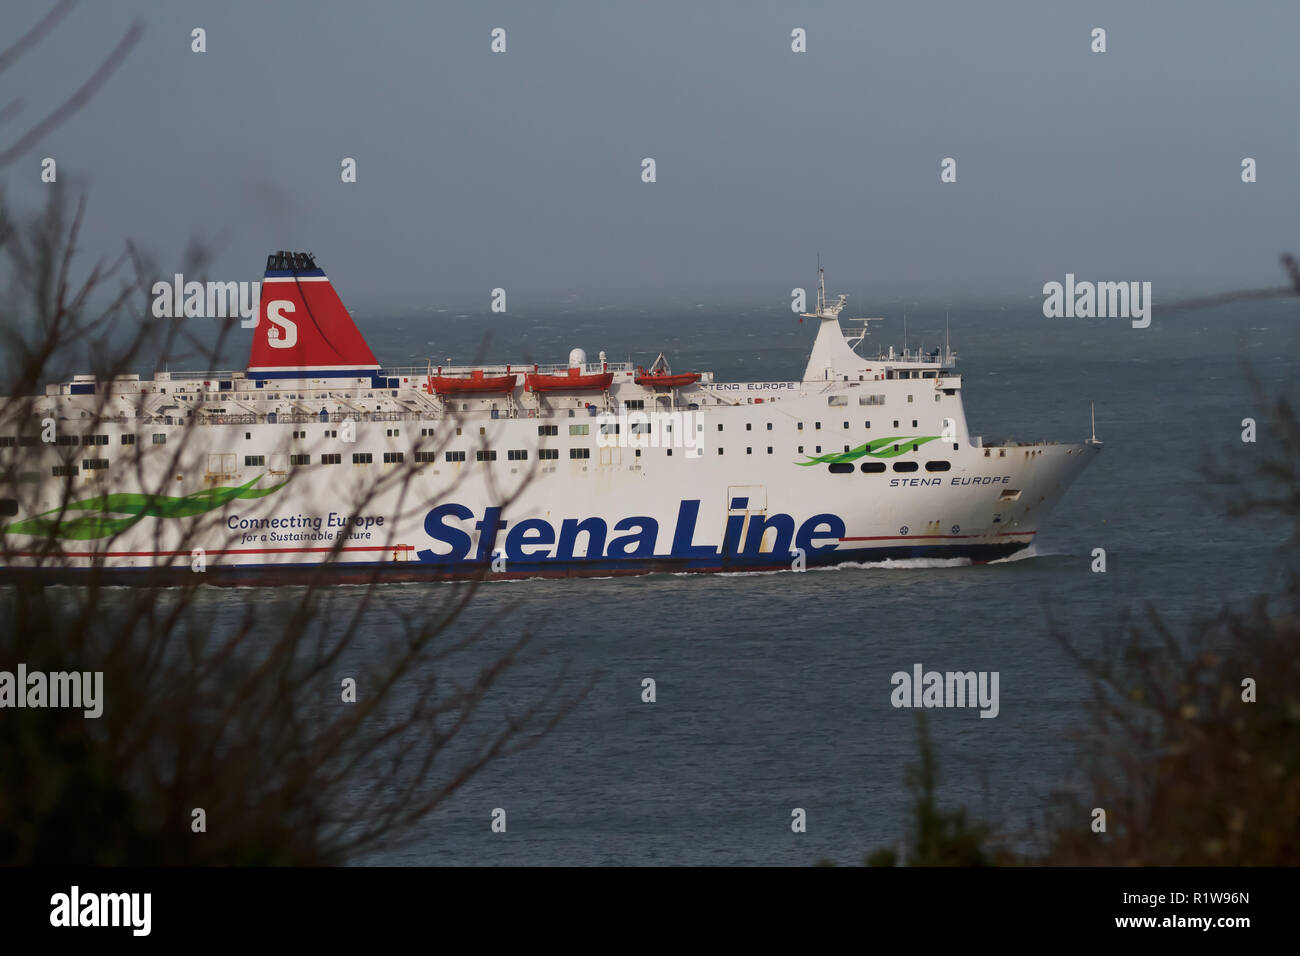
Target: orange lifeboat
[[665, 379], [659, 375], [570, 380], [475, 383]]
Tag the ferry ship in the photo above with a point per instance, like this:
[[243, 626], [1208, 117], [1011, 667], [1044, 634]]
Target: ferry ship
[[317, 459]]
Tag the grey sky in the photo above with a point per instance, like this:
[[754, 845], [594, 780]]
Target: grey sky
[[522, 170]]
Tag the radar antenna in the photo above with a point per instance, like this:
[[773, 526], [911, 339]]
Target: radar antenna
[[832, 310]]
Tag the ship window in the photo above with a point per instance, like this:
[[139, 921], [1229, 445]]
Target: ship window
[[638, 453], [362, 458], [609, 428], [128, 439], [68, 440], [937, 466], [482, 430], [841, 468], [801, 449], [913, 422], [895, 422], [719, 451], [8, 507], [64, 471], [548, 454], [749, 451], [915, 446], [300, 459], [159, 439], [579, 429], [93, 464], [866, 424], [846, 424], [769, 426], [769, 449], [905, 466], [719, 427], [426, 456], [485, 454], [517, 454], [749, 426], [909, 398], [938, 397], [579, 453], [394, 457], [458, 431], [819, 449], [254, 461], [1011, 494], [331, 459], [801, 426], [872, 467], [548, 429], [819, 425], [455, 456], [634, 403], [8, 441]]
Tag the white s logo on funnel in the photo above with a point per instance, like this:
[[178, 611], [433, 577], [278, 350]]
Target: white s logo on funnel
[[285, 333]]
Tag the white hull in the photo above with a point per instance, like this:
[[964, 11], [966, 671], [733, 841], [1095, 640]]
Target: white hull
[[755, 487]]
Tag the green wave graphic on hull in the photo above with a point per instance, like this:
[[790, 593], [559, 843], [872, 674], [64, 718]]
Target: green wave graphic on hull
[[880, 448], [133, 508]]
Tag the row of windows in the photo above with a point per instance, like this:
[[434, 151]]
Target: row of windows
[[31, 441], [514, 454], [817, 425], [82, 440], [638, 428], [63, 471], [876, 467]]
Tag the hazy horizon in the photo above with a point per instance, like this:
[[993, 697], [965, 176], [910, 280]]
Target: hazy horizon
[[522, 170]]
